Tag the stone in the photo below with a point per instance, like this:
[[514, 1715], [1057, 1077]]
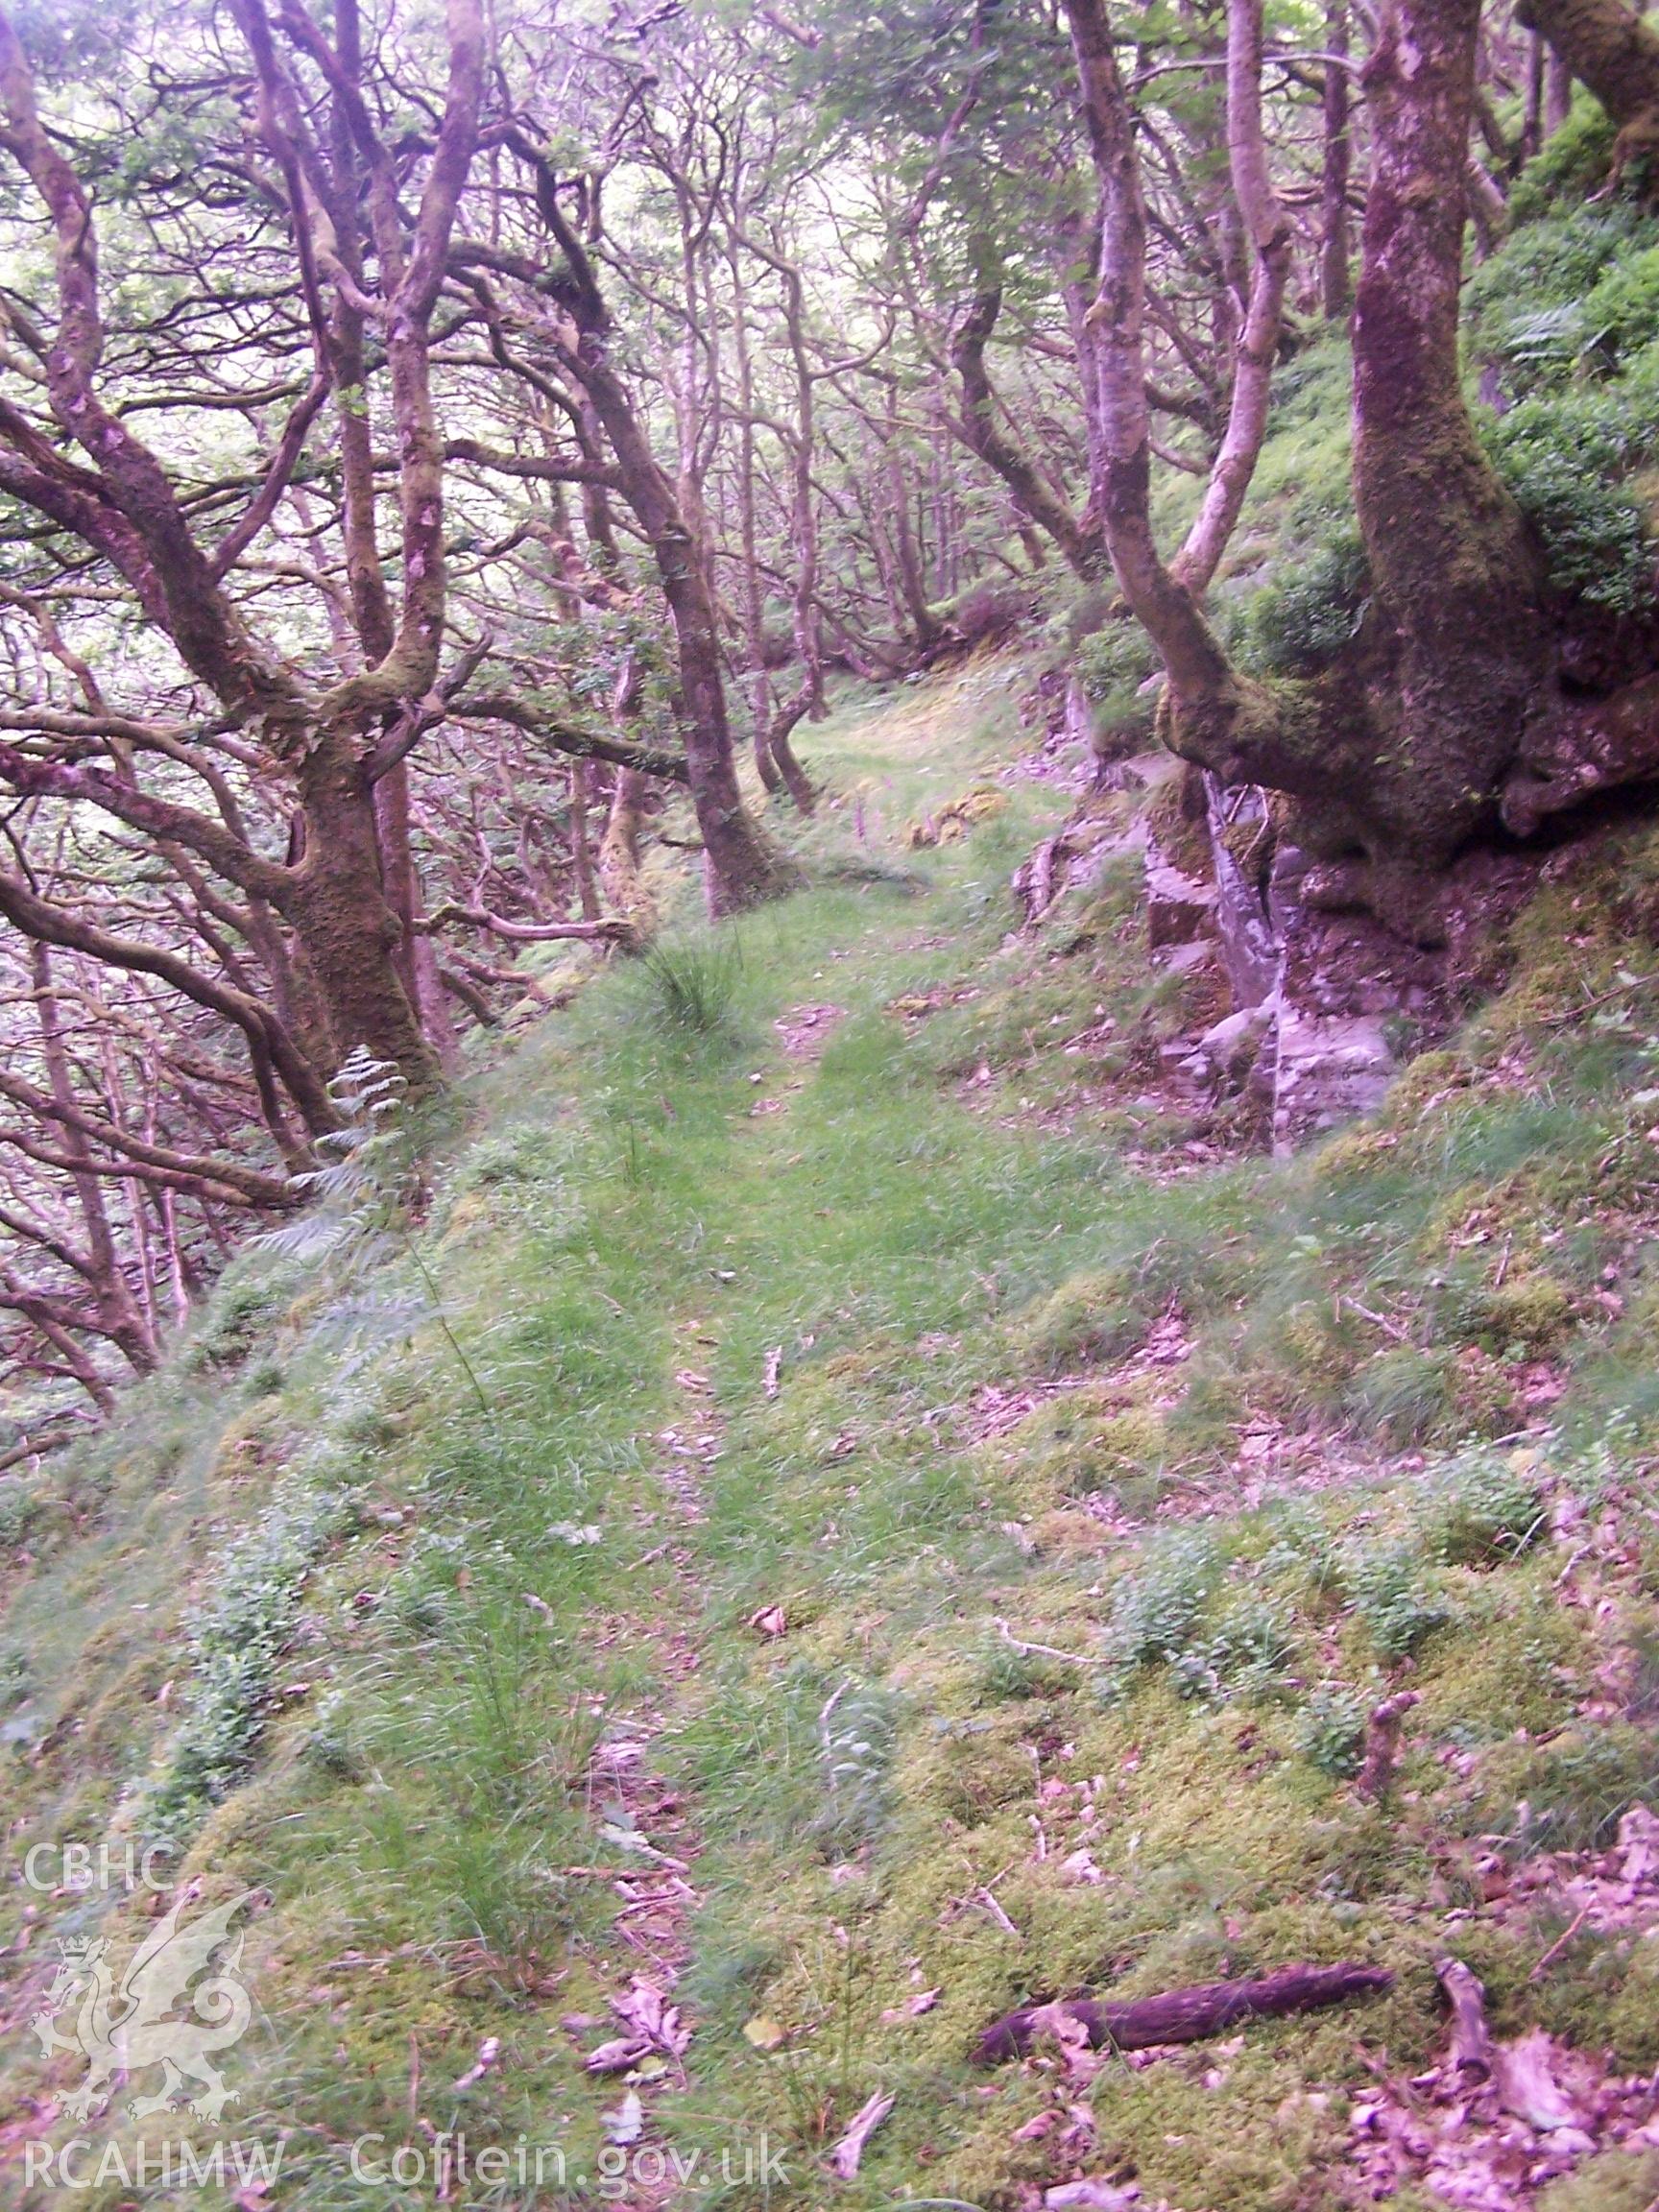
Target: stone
[[1178, 908], [1330, 1068]]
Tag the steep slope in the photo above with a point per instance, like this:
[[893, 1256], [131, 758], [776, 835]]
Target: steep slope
[[849, 1504]]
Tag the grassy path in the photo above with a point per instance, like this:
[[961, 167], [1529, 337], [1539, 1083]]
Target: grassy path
[[858, 1338]]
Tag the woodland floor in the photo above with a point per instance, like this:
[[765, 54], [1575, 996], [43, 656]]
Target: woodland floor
[[906, 1515]]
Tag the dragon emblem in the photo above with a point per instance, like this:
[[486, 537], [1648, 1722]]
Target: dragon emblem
[[124, 2027]]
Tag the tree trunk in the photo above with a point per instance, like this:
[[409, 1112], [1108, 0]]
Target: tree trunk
[[1266, 252], [1557, 91], [348, 932], [119, 1317], [1399, 751], [1335, 284], [1454, 576], [619, 870], [786, 762], [1609, 48], [581, 857], [1081, 544], [906, 585], [619, 854], [754, 601], [413, 955], [740, 871]]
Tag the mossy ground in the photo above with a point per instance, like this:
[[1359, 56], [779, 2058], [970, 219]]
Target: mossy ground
[[1227, 1548]]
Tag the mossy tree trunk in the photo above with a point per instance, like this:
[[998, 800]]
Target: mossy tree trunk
[[1609, 48], [1459, 628], [740, 869], [1400, 752], [1335, 281], [325, 748]]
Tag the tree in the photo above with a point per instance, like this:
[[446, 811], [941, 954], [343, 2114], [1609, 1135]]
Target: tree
[[1442, 714], [330, 742], [1609, 48], [575, 323]]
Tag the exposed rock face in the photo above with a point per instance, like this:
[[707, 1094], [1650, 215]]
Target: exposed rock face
[[1310, 991], [1324, 996], [1317, 996], [1250, 945], [1178, 907], [1325, 1069]]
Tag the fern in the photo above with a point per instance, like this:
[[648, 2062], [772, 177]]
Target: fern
[[1555, 337], [362, 1194]]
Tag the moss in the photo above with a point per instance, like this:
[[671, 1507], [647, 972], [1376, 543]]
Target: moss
[[1618, 2180], [1125, 1451], [1429, 1077], [1175, 819], [1090, 1319], [1530, 1311], [1571, 167]]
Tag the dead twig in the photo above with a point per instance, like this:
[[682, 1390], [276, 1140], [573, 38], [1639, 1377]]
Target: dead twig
[[1039, 1650], [995, 1911], [1471, 2037], [1557, 1947]]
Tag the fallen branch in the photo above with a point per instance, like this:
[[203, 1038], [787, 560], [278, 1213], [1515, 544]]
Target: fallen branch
[[609, 930], [1181, 2015]]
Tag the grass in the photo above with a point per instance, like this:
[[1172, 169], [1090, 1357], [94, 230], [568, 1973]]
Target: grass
[[418, 1609]]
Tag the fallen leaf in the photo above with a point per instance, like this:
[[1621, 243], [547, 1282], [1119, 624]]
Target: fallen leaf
[[770, 1620], [850, 2150], [764, 2032], [627, 2124], [617, 2056], [912, 2008], [1527, 2082], [647, 2007]]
